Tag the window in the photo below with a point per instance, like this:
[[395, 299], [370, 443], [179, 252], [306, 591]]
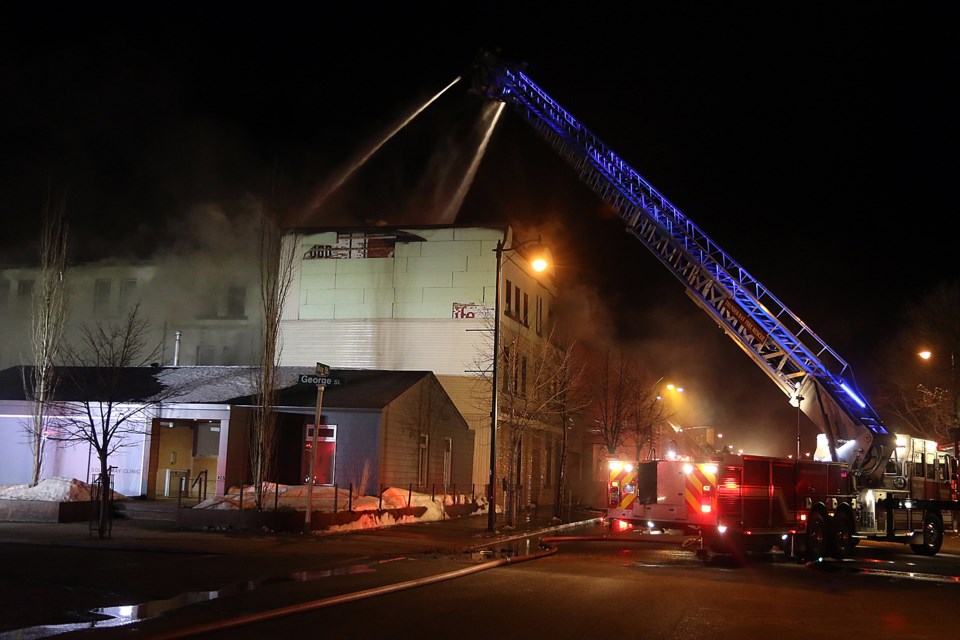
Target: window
[[548, 472], [526, 305], [4, 295], [422, 459], [516, 376], [101, 297], [236, 302], [506, 369], [24, 295], [538, 312], [223, 302], [507, 298], [447, 460], [355, 246], [128, 293], [523, 375], [206, 355], [516, 300]]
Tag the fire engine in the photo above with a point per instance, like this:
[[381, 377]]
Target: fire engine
[[864, 483]]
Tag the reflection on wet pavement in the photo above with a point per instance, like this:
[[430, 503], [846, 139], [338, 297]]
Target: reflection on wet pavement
[[118, 616]]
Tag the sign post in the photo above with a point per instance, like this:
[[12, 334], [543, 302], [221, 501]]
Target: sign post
[[322, 370]]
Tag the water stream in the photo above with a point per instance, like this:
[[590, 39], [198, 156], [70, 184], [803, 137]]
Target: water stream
[[345, 175]]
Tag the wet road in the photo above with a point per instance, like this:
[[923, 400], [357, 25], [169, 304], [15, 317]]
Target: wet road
[[64, 588]]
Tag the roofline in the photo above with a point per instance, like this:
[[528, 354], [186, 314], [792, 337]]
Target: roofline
[[396, 227]]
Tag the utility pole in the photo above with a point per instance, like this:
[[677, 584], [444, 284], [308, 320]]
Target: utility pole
[[322, 370]]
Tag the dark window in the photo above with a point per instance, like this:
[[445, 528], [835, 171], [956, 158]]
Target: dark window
[[128, 293], [506, 369], [236, 302], [523, 375], [4, 295], [508, 297], [526, 306], [548, 474], [24, 295], [101, 297], [539, 315], [206, 355]]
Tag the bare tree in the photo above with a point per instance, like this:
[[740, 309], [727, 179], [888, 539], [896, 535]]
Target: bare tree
[[112, 403], [277, 261], [48, 322], [646, 412], [922, 395], [568, 401], [613, 399], [536, 376]]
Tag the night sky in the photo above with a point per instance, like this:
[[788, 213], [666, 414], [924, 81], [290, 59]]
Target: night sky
[[815, 145]]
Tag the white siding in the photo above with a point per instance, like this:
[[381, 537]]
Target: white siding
[[446, 347]]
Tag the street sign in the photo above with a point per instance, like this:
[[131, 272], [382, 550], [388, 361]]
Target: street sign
[[322, 369], [327, 381]]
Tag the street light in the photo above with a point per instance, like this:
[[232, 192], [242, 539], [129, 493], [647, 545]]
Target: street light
[[926, 354], [538, 263]]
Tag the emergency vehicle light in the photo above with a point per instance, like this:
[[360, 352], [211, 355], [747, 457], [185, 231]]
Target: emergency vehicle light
[[615, 465], [855, 397], [710, 468], [688, 469]]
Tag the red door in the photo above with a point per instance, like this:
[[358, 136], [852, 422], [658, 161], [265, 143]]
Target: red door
[[323, 457]]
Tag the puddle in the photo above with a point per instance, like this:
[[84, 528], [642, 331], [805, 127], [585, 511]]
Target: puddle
[[118, 616]]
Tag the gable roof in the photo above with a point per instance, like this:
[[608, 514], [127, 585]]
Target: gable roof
[[361, 388]]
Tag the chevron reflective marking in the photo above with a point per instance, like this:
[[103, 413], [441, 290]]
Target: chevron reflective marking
[[700, 487], [626, 482]]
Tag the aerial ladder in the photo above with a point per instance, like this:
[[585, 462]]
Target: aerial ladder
[[813, 376]]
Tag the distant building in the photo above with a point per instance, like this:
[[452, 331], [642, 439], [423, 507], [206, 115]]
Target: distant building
[[379, 428], [423, 297], [200, 312], [403, 299]]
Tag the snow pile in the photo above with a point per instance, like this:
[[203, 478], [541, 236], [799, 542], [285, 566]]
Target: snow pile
[[51, 490], [327, 498]]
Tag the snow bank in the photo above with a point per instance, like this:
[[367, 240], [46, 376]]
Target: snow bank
[[51, 490]]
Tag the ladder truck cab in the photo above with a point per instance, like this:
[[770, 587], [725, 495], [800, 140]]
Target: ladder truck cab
[[866, 484]]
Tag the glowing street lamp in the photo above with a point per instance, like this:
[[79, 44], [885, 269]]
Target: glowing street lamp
[[926, 355], [539, 262]]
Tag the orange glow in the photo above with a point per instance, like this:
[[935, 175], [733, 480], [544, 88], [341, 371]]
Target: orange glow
[[622, 525]]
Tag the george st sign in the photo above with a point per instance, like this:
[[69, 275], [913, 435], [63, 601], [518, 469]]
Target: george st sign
[[326, 381]]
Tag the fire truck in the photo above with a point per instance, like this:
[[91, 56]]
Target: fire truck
[[864, 483]]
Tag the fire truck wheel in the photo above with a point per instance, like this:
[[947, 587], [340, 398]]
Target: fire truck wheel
[[816, 536], [932, 536], [841, 540]]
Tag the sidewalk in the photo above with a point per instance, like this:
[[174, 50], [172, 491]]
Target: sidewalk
[[455, 535]]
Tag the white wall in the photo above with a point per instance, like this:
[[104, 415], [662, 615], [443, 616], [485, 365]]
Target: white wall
[[65, 460]]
